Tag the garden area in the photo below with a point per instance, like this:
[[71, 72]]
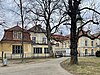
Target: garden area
[[86, 66]]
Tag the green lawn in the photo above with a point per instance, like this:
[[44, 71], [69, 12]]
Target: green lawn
[[86, 66]]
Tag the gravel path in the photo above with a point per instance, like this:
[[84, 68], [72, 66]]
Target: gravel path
[[51, 67]]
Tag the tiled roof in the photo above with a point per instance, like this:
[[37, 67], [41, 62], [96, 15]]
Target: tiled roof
[[8, 35], [37, 29], [91, 35], [59, 37], [97, 34], [15, 28]]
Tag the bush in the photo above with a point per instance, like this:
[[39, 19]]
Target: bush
[[98, 54]]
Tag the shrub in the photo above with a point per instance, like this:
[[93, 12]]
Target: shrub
[[98, 54]]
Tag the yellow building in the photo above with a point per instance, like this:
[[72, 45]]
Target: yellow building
[[11, 43], [61, 44], [39, 42], [35, 43], [87, 46], [98, 43]]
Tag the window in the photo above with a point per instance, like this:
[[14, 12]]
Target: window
[[37, 51], [46, 50], [17, 35], [68, 43], [91, 43], [65, 44], [16, 49], [14, 35], [33, 39], [92, 52], [43, 40], [57, 44], [86, 51], [85, 42]]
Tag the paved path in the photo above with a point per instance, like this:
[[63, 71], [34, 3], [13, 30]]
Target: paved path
[[51, 67]]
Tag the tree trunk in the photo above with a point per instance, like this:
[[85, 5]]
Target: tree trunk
[[2, 52], [50, 48], [73, 40], [73, 46], [50, 45], [48, 29], [73, 11]]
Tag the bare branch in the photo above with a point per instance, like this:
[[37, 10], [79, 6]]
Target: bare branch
[[17, 3], [36, 13], [81, 27], [90, 9], [13, 11], [92, 37], [87, 23]]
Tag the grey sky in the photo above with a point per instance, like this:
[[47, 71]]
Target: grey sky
[[12, 19]]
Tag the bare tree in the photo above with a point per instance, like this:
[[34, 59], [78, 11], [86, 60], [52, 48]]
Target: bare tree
[[22, 22], [74, 12], [21, 15], [49, 12]]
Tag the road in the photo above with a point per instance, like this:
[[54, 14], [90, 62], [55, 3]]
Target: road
[[51, 67]]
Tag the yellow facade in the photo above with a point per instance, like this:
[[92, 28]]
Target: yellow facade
[[84, 48], [87, 49], [43, 54], [38, 36], [6, 47], [39, 44], [98, 44], [38, 48]]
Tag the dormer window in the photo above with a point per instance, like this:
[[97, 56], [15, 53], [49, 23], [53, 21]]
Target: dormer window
[[33, 39], [17, 35], [43, 40]]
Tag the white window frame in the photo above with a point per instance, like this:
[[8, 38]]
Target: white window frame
[[46, 51], [44, 40], [34, 40], [37, 50], [16, 49], [17, 35]]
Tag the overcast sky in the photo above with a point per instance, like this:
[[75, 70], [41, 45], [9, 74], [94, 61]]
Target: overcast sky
[[12, 19]]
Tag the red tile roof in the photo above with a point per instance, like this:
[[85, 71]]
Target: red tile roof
[[15, 28], [8, 35], [59, 37], [91, 35]]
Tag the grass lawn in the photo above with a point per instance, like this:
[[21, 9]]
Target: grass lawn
[[86, 66]]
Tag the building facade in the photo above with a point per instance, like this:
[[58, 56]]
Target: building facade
[[11, 43], [87, 46], [35, 43], [62, 44], [39, 42]]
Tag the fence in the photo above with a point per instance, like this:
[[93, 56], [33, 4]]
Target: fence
[[88, 54], [31, 55], [26, 55]]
